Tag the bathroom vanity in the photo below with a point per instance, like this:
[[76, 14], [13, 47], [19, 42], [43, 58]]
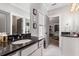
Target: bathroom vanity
[[70, 45], [33, 48]]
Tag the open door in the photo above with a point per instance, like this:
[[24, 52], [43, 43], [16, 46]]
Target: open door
[[46, 41]]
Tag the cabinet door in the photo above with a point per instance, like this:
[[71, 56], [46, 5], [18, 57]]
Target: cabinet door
[[77, 46], [29, 50], [68, 46], [38, 52], [41, 44]]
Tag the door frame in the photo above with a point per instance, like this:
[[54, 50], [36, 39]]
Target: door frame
[[59, 28]]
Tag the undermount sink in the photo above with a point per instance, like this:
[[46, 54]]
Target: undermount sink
[[22, 41]]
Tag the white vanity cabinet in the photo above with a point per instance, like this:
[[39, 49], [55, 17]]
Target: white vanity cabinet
[[70, 46], [29, 50], [77, 47], [35, 49], [39, 51], [41, 45]]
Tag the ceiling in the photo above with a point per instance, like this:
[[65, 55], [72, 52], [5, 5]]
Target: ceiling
[[46, 6], [22, 6], [51, 6]]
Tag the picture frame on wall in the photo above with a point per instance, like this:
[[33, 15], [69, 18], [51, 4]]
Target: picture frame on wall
[[34, 25], [34, 12]]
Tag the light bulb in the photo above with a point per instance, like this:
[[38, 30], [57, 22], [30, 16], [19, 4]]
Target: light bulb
[[77, 8]]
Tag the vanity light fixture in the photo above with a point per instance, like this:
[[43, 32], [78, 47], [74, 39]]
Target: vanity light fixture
[[73, 7], [77, 7]]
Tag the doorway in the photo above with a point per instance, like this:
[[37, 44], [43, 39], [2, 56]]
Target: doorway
[[52, 36], [54, 31]]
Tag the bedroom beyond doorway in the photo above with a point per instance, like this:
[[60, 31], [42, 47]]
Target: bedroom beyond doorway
[[54, 31]]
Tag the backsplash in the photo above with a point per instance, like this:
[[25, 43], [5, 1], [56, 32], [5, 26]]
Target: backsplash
[[18, 37]]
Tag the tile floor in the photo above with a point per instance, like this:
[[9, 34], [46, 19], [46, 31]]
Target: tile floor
[[52, 50]]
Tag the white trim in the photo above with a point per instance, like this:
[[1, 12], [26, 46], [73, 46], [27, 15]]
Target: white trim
[[60, 31], [16, 14]]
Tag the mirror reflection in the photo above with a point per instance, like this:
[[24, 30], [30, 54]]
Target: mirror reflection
[[27, 25], [4, 22], [17, 25]]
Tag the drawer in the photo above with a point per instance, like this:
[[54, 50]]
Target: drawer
[[29, 50]]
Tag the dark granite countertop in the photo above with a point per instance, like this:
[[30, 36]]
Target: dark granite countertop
[[70, 36], [8, 48]]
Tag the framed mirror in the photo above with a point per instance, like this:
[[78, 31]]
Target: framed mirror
[[34, 12], [4, 22], [17, 24]]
